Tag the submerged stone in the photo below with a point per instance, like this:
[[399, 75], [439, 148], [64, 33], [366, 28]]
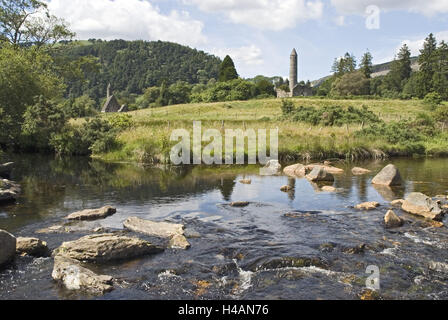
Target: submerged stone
[[367, 206], [360, 171]]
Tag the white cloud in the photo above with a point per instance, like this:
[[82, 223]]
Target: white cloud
[[417, 44], [264, 14], [243, 56], [427, 7], [128, 20]]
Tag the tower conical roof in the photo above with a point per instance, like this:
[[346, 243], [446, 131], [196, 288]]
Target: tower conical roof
[[294, 52]]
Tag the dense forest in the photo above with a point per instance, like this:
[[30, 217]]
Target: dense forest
[[133, 66], [429, 79]]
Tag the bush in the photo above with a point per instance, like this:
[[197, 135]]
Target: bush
[[441, 114], [94, 136], [120, 121], [433, 100], [42, 120], [334, 115], [402, 132], [80, 107], [287, 107]]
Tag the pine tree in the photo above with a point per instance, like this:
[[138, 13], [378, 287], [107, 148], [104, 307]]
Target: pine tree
[[405, 64], [227, 70], [440, 78], [428, 63], [366, 64], [344, 65]]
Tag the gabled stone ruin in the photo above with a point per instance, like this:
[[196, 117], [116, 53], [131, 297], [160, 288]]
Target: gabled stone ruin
[[112, 104]]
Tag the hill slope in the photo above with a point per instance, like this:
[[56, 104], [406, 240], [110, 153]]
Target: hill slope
[[378, 71], [133, 66]]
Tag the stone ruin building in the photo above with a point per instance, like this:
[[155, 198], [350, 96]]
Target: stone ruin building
[[112, 104], [295, 89]]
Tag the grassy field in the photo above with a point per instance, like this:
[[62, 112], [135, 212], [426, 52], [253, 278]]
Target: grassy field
[[147, 140]]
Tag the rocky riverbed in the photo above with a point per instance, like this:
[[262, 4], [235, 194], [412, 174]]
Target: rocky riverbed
[[90, 230]]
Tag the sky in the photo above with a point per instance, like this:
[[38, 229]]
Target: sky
[[260, 34]]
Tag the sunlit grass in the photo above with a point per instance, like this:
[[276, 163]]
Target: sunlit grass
[[148, 140]]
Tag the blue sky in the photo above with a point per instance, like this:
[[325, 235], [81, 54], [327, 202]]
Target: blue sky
[[260, 34]]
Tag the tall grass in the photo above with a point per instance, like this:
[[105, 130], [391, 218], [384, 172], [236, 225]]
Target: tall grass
[[147, 140]]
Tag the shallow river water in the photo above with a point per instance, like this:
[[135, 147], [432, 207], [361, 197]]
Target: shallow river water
[[297, 245]]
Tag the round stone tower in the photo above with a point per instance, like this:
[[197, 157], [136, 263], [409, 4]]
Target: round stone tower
[[293, 71]]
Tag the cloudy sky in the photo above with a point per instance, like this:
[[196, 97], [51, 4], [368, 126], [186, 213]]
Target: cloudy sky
[[260, 34]]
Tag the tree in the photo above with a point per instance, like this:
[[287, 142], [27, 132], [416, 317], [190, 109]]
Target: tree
[[400, 71], [14, 15], [428, 63], [344, 65], [355, 83], [227, 70], [366, 64], [28, 21], [41, 121], [25, 74], [440, 78]]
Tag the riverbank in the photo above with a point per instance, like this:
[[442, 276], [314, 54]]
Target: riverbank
[[147, 138]]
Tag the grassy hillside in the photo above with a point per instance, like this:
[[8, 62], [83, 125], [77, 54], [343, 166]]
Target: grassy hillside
[[147, 139]]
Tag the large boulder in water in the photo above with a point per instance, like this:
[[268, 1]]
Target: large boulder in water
[[422, 205], [76, 277], [9, 191], [106, 247], [319, 174], [7, 247], [5, 169], [389, 176]]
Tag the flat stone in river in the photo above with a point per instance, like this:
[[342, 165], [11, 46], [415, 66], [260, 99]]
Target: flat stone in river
[[422, 205], [171, 231], [319, 174], [106, 247], [94, 214], [33, 247]]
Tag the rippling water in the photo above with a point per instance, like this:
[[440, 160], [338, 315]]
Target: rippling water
[[255, 252]]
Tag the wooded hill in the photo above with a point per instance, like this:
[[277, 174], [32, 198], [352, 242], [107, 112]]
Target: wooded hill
[[133, 66]]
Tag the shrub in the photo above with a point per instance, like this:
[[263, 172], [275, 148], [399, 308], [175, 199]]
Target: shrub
[[334, 115], [287, 107], [433, 100], [121, 121]]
